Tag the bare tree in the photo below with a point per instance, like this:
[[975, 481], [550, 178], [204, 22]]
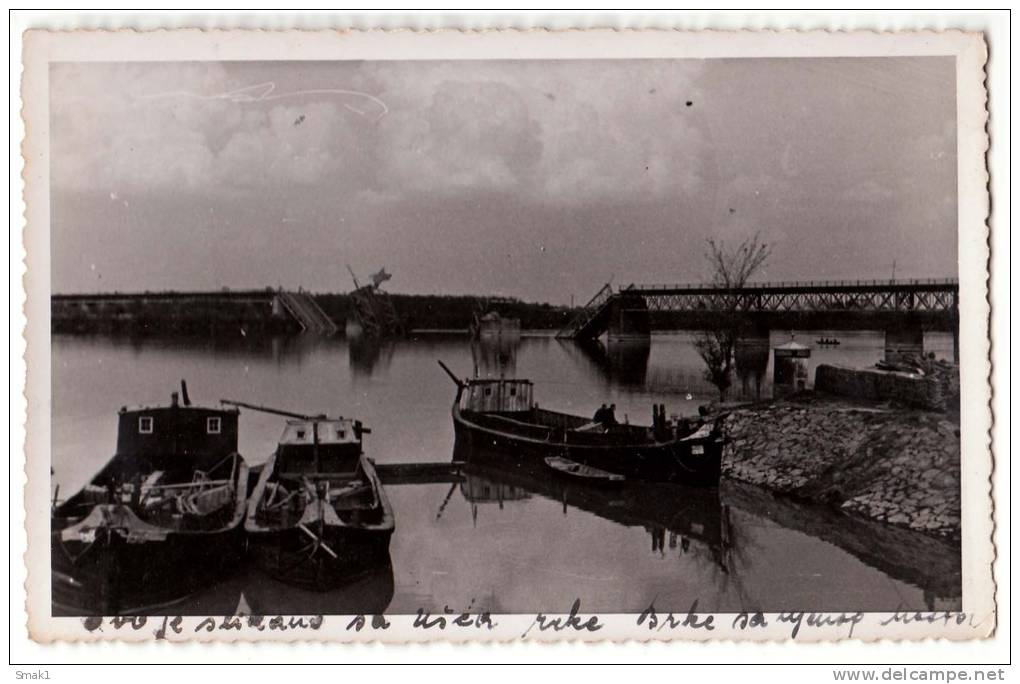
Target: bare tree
[[731, 269]]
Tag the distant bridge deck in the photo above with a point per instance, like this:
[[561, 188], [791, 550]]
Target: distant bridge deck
[[265, 294], [827, 295], [266, 309]]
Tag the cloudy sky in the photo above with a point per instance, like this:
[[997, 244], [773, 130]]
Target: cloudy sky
[[537, 179]]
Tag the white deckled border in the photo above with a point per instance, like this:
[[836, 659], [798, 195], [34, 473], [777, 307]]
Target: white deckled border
[[42, 48]]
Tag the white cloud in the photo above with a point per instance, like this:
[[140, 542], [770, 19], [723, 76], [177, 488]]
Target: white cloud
[[551, 132]]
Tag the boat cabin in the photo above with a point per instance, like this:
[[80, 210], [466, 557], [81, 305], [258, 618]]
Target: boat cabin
[[496, 395], [170, 438], [319, 446], [164, 445]]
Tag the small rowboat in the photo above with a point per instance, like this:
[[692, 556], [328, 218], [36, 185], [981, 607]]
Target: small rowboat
[[583, 472]]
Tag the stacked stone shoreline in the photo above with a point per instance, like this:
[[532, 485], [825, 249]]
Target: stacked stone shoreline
[[897, 465]]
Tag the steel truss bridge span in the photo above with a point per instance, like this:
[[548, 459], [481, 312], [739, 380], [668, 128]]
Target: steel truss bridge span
[[833, 296], [627, 309]]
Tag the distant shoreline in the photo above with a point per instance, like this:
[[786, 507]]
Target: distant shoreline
[[258, 312]]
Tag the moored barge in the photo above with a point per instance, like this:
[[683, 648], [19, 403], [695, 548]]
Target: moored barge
[[161, 520], [499, 414], [318, 515]]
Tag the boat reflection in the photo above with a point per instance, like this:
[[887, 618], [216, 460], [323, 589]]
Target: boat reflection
[[254, 593], [675, 516], [366, 355], [495, 357]]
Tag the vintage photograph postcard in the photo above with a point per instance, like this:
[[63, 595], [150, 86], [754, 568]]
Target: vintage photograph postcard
[[507, 335]]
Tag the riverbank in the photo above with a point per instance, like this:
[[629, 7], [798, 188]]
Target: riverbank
[[895, 465], [257, 312]]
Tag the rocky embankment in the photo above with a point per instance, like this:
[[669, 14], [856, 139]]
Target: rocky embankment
[[898, 466]]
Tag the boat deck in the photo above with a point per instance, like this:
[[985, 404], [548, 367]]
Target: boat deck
[[285, 500], [555, 427]]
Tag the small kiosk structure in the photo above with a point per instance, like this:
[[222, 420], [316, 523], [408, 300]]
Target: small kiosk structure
[[790, 368]]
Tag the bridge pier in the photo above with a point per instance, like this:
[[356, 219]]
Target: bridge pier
[[628, 318], [954, 323], [751, 354], [903, 343]]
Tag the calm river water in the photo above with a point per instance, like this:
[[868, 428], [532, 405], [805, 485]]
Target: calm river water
[[522, 543]]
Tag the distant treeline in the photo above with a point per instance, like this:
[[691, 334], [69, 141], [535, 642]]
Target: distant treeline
[[453, 312], [252, 313]]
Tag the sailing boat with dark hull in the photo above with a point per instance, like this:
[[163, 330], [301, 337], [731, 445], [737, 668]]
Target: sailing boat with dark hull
[[318, 515], [161, 520]]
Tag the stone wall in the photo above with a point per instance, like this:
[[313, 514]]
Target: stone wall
[[897, 466], [929, 391]]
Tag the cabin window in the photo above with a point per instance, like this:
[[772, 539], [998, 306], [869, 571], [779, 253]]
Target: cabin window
[[488, 391], [339, 434], [513, 391], [212, 426], [300, 434], [145, 425]]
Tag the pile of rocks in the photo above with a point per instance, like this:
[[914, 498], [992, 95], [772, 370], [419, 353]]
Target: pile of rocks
[[897, 466]]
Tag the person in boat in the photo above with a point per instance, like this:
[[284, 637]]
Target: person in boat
[[600, 414], [610, 418]]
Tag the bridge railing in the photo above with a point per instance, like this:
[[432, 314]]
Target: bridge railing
[[797, 284]]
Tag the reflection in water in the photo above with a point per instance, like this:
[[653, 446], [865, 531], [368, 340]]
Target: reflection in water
[[623, 361], [365, 353], [478, 490], [752, 361], [931, 563], [251, 592], [681, 521], [495, 356], [683, 513]]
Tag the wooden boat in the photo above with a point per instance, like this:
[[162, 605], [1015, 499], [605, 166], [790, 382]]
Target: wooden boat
[[583, 472], [318, 514], [499, 414], [160, 521]]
